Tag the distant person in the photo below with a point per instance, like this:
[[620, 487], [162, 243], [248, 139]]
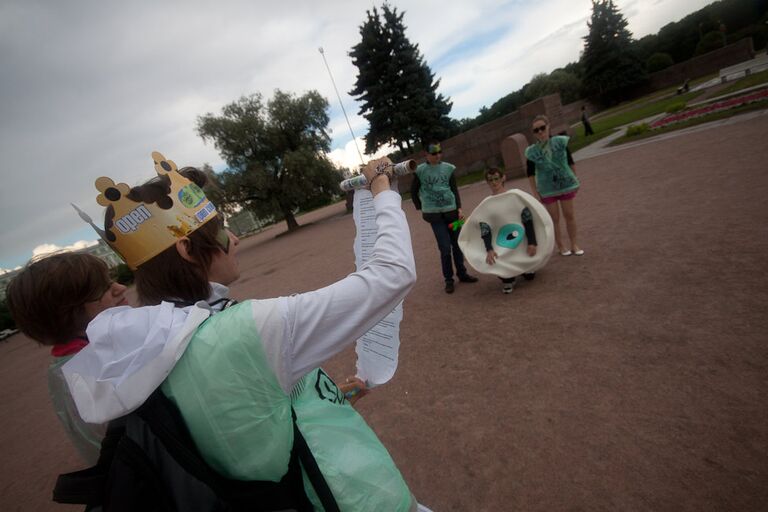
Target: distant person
[[435, 193], [551, 172], [585, 121], [495, 180], [52, 301]]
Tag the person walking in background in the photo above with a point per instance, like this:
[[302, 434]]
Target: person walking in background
[[585, 121], [551, 172], [435, 193]]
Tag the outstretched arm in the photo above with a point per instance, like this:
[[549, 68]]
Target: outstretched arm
[[319, 324]]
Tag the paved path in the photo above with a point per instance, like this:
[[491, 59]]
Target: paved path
[[632, 378], [602, 146]]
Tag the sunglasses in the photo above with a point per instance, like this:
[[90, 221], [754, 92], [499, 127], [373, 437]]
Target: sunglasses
[[222, 237], [539, 129]]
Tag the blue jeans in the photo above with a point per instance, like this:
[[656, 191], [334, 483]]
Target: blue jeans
[[448, 243]]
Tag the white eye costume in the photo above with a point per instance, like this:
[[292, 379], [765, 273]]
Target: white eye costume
[[501, 216]]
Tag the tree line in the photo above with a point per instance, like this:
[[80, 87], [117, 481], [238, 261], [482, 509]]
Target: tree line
[[276, 150], [611, 53]]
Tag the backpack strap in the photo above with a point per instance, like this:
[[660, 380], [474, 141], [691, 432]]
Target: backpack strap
[[149, 461], [313, 470], [87, 485]]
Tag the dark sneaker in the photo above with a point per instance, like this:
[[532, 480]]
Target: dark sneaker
[[530, 276], [449, 287], [466, 278]]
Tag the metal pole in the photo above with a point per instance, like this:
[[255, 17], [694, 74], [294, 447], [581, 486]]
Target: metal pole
[[354, 139]]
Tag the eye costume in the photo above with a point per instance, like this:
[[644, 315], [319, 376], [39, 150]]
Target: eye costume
[[501, 218], [244, 375]]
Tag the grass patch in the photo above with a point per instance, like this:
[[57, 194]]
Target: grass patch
[[715, 116], [652, 96], [579, 141], [747, 81], [472, 177], [608, 124]]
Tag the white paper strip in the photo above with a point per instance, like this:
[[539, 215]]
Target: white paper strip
[[377, 349]]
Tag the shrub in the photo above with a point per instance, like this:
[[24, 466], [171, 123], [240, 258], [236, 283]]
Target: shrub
[[658, 61], [6, 320], [676, 107], [123, 274], [637, 129]]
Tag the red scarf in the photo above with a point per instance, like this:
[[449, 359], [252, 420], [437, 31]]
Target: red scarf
[[69, 348]]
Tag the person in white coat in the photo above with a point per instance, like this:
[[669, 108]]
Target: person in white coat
[[242, 375]]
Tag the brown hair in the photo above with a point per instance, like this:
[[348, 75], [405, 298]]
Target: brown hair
[[47, 298], [540, 117], [492, 171], [169, 276]]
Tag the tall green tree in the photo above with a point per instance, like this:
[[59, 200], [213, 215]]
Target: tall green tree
[[611, 67], [396, 88], [275, 153], [561, 81]]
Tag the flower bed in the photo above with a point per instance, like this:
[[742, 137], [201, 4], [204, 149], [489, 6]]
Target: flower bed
[[708, 109]]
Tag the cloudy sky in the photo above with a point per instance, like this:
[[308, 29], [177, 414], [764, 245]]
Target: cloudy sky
[[91, 88]]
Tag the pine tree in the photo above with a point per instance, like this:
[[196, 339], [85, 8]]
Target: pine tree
[[397, 89], [611, 66]]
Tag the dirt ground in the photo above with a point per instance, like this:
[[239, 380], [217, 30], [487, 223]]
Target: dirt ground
[[632, 378]]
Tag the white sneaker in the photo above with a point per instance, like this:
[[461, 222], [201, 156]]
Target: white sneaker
[[508, 287]]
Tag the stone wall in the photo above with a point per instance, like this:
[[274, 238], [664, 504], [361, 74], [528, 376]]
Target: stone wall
[[702, 65], [480, 147], [572, 111]]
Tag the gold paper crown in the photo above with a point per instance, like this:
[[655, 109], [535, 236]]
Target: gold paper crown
[[139, 227]]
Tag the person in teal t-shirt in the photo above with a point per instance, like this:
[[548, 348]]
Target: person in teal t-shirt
[[435, 193], [554, 181]]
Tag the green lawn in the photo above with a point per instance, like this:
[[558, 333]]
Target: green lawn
[[472, 177], [654, 95], [758, 105], [606, 125], [747, 81]]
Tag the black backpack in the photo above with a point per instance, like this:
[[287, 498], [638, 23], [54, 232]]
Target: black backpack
[[149, 463]]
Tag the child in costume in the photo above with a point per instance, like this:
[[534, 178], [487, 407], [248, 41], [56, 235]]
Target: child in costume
[[553, 180], [52, 300], [244, 376], [434, 192], [495, 179]]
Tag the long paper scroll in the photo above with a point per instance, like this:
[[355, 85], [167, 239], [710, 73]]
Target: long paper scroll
[[377, 349]]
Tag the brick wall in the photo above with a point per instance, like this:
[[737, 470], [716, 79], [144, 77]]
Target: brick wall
[[480, 147], [702, 65]]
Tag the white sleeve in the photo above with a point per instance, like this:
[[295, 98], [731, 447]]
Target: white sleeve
[[319, 324]]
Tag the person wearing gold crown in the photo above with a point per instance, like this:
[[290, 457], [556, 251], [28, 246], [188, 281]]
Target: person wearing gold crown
[[245, 376]]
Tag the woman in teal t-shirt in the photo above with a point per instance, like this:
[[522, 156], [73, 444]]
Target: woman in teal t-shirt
[[554, 181]]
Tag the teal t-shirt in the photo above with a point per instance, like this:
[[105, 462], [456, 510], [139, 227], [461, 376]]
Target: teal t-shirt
[[553, 174], [435, 191]]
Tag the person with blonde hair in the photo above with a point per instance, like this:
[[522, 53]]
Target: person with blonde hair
[[552, 175]]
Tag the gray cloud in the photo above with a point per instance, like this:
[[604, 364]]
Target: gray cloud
[[91, 88]]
